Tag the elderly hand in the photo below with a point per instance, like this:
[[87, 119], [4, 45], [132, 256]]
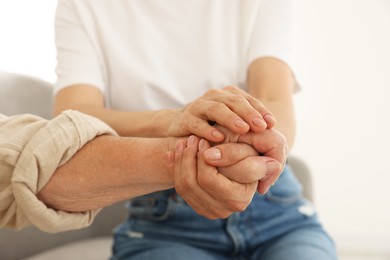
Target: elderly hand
[[210, 193], [230, 107]]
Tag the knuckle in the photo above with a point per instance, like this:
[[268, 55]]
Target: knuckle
[[212, 92], [241, 99], [184, 129], [193, 125], [215, 107], [184, 126], [281, 137], [278, 139], [231, 88], [232, 99], [236, 99], [254, 100]]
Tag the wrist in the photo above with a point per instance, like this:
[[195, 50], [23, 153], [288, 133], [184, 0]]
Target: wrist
[[163, 122]]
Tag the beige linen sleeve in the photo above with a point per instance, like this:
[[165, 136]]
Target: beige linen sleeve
[[31, 149]]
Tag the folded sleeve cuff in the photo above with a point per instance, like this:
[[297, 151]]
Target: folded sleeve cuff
[[50, 147]]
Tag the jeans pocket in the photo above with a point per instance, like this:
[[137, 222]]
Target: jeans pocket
[[287, 190], [155, 206]]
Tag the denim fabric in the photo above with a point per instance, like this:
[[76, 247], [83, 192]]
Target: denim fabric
[[280, 225]]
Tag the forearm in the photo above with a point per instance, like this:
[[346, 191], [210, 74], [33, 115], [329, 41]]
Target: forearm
[[109, 169], [125, 123], [128, 123], [272, 82], [284, 113], [230, 107]]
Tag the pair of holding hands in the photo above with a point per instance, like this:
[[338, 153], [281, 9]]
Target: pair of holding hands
[[218, 169]]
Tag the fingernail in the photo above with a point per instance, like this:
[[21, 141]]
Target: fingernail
[[217, 134], [213, 154], [201, 144], [272, 167], [240, 123], [257, 121], [269, 118], [191, 140]]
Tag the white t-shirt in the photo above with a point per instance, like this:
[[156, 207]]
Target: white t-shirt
[[153, 54]]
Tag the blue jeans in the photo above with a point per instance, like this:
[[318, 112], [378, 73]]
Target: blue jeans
[[280, 225]]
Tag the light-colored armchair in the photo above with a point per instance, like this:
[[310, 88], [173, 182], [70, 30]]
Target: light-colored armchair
[[22, 94]]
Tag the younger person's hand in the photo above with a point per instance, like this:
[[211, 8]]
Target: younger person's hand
[[230, 107]]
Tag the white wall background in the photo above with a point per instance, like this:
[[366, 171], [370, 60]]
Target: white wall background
[[27, 37], [344, 116], [343, 111]]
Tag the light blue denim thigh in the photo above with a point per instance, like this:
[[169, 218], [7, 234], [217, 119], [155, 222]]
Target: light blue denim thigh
[[280, 225]]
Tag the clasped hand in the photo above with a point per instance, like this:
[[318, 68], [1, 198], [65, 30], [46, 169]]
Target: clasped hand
[[229, 107], [217, 180]]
